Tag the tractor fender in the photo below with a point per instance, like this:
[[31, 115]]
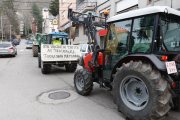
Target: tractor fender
[[151, 58]]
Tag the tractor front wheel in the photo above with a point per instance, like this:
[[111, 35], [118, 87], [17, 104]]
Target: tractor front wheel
[[83, 81], [140, 92]]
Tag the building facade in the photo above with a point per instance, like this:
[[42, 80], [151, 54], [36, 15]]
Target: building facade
[[83, 6], [48, 25]]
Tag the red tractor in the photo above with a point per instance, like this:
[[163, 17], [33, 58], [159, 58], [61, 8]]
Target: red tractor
[[139, 63]]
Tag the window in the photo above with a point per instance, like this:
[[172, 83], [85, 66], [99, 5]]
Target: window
[[117, 43], [149, 1], [142, 34], [63, 14], [77, 31], [53, 30], [171, 32], [70, 6]]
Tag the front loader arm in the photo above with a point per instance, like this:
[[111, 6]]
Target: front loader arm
[[88, 21]]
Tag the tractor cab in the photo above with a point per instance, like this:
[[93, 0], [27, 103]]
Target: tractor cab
[[58, 38]]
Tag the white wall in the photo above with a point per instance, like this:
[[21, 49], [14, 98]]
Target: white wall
[[82, 39], [175, 3]]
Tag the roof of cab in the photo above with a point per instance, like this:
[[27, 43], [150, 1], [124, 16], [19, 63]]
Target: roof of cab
[[58, 33], [144, 11]]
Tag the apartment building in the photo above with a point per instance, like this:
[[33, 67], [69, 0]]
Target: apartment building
[[47, 25], [83, 6], [64, 22]]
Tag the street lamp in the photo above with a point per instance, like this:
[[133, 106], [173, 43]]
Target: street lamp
[[2, 27]]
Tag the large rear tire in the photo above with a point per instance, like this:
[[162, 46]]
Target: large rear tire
[[39, 60], [83, 81], [140, 92], [45, 68], [35, 50], [71, 67]]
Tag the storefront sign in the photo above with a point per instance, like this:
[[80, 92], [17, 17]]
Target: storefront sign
[[66, 26]]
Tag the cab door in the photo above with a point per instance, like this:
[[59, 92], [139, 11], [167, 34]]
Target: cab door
[[117, 45]]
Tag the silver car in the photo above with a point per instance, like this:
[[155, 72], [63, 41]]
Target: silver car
[[6, 48]]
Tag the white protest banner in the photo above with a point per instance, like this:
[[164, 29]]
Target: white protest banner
[[51, 52], [171, 67]]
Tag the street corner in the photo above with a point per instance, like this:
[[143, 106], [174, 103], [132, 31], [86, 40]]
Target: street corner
[[57, 96]]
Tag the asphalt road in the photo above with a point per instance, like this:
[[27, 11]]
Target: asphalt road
[[22, 82]]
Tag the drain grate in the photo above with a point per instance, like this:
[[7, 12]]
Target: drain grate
[[59, 95]]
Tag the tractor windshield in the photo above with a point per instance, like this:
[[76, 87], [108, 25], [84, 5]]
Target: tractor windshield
[[171, 32]]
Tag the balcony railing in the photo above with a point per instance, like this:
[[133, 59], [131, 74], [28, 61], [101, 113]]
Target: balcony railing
[[82, 4]]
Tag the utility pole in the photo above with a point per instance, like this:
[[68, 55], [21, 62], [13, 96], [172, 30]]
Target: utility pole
[[152, 2], [10, 31]]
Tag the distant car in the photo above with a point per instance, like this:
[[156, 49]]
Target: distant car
[[85, 48], [6, 48], [29, 44], [15, 41]]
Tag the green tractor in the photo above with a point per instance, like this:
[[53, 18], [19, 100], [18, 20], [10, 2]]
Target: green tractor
[[40, 38]]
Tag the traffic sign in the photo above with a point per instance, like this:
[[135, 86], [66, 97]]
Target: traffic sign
[[54, 21]]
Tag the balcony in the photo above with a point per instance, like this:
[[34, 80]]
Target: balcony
[[85, 5]]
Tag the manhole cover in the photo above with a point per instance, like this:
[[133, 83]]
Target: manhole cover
[[59, 95]]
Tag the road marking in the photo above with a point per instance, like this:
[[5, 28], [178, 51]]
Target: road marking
[[21, 50]]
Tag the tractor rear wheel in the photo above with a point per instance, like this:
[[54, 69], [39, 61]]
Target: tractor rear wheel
[[83, 81], [71, 67], [39, 60], [140, 92], [45, 68], [35, 50]]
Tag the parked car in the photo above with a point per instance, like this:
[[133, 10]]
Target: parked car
[[85, 49], [6, 48], [15, 41], [29, 44]]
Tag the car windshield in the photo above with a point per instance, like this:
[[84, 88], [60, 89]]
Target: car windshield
[[4, 45], [30, 42], [171, 32], [83, 48], [15, 40]]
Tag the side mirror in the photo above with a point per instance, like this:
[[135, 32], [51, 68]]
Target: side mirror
[[73, 32]]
